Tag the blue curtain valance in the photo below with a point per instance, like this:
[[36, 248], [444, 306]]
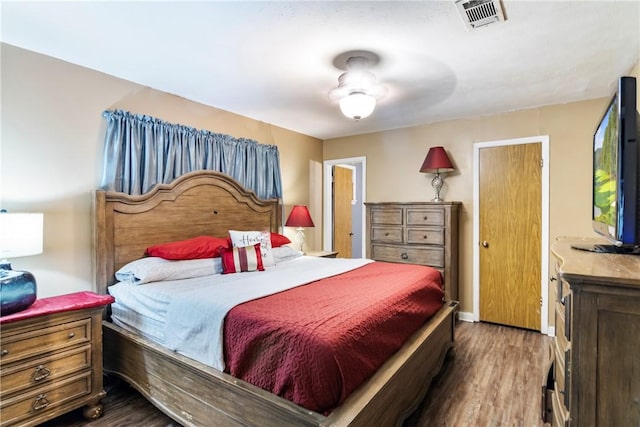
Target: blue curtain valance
[[142, 151]]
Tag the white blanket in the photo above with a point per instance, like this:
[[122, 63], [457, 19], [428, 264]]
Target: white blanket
[[195, 320]]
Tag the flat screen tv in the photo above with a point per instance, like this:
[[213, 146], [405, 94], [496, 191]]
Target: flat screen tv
[[616, 174]]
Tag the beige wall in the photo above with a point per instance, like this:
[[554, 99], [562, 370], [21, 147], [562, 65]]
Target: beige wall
[[394, 158], [51, 154]]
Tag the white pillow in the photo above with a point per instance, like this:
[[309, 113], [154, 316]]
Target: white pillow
[[155, 269], [285, 252], [240, 239]]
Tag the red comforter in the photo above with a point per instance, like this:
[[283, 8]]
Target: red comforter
[[315, 344]]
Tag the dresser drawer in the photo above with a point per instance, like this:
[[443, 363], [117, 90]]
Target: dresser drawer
[[561, 336], [565, 309], [426, 256], [386, 234], [45, 369], [388, 216], [425, 216], [425, 236], [562, 290], [35, 342], [562, 375], [46, 398]]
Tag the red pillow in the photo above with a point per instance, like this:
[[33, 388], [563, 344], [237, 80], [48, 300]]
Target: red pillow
[[236, 260], [196, 248], [278, 240]]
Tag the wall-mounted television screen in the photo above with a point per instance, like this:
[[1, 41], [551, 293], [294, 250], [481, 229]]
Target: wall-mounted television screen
[[616, 174]]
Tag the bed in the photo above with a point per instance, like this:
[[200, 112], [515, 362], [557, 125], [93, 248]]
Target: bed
[[194, 393]]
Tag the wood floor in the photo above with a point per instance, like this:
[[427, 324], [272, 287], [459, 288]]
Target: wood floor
[[493, 379]]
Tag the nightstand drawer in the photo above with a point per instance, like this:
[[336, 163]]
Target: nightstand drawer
[[425, 236], [386, 234], [389, 216], [18, 346], [425, 256], [425, 216], [45, 369], [43, 399]]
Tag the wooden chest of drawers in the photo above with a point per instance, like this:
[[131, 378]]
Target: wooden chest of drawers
[[596, 366], [416, 233], [51, 364]]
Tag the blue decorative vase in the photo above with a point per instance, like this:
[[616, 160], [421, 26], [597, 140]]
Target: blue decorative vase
[[17, 290]]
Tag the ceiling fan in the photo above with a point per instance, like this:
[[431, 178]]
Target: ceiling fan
[[358, 90]]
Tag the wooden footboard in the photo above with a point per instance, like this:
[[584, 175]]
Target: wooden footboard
[[196, 395]]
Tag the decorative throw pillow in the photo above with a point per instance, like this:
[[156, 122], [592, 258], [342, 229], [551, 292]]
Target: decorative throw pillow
[[278, 240], [241, 239], [246, 258], [195, 248], [155, 269]]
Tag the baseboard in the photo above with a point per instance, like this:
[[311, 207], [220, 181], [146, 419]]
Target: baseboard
[[465, 316]]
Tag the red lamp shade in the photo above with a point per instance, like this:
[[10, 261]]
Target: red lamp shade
[[437, 161], [299, 217]]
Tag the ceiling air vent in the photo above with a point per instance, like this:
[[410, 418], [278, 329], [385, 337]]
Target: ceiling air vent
[[478, 13]]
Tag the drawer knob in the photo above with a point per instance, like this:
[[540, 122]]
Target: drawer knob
[[425, 217], [72, 334], [4, 352], [404, 255], [41, 373], [41, 402], [386, 234], [485, 244], [424, 236]]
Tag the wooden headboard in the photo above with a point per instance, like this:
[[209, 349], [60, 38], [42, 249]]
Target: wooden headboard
[[195, 204]]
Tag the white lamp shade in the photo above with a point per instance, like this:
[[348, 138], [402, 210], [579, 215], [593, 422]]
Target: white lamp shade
[[20, 234], [357, 105]]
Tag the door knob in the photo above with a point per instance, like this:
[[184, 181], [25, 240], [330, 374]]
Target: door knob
[[485, 244]]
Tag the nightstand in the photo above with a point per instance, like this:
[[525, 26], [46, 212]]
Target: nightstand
[[323, 254], [51, 359]]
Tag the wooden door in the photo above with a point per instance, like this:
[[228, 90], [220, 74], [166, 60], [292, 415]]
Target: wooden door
[[510, 235], [342, 197]]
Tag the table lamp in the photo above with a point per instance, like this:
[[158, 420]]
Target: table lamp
[[437, 162], [20, 235], [300, 218]]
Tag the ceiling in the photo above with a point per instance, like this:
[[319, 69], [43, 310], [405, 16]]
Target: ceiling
[[273, 61]]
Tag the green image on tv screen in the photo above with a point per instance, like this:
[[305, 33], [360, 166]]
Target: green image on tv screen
[[605, 159]]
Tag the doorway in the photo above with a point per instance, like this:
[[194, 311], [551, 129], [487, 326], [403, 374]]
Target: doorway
[[510, 197], [344, 197], [358, 218]]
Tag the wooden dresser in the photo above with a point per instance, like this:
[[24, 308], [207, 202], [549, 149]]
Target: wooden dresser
[[51, 359], [416, 233], [595, 376]]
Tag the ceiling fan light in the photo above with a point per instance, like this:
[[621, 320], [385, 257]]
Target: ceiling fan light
[[357, 78], [357, 105]]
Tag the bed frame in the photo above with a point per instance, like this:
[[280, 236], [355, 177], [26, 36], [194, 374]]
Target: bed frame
[[206, 202]]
